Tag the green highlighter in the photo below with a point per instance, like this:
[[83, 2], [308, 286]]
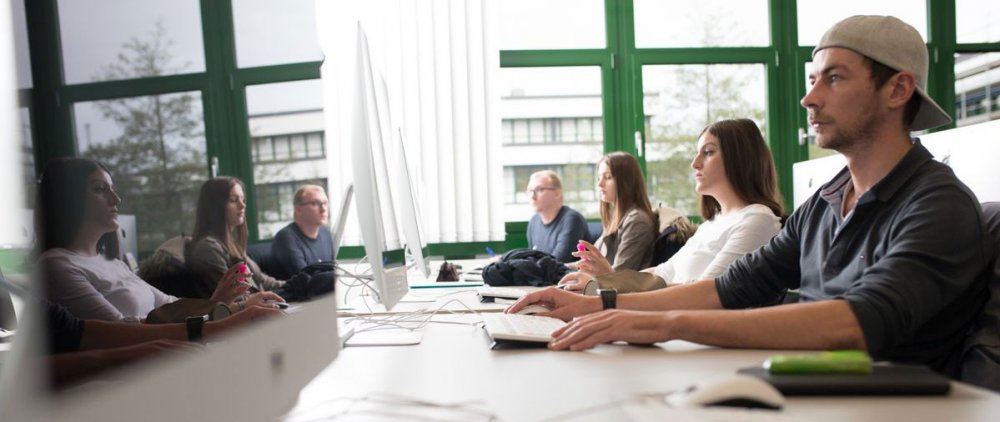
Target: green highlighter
[[832, 362]]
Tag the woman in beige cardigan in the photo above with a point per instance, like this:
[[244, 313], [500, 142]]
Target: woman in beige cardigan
[[220, 237], [626, 216]]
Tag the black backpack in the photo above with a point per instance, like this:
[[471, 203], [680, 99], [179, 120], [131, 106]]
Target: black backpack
[[524, 267]]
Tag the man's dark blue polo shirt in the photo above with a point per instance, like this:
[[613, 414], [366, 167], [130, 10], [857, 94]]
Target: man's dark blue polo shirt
[[910, 260]]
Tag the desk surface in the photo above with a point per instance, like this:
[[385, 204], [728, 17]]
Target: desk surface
[[455, 363]]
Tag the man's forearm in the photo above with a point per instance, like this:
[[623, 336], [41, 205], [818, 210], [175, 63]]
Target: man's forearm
[[697, 295], [821, 325]]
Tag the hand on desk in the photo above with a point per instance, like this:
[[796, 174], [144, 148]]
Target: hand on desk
[[635, 327], [575, 280], [564, 305]]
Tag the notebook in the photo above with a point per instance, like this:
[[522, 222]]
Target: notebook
[[885, 379]]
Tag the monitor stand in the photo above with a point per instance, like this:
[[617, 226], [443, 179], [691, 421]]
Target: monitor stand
[[384, 338]]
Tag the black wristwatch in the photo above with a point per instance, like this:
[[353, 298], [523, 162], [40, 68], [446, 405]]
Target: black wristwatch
[[194, 326], [609, 298]]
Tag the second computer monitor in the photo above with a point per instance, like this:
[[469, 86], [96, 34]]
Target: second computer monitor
[[409, 208], [365, 132]]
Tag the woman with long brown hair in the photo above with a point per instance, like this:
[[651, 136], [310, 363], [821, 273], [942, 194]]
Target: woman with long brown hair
[[626, 216], [76, 219], [220, 236], [740, 204]]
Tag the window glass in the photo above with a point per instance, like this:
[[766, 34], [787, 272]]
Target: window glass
[[977, 21], [977, 88], [550, 24], [286, 127], [540, 104], [155, 149], [23, 61], [124, 39], [815, 17], [680, 101], [705, 23], [275, 32]]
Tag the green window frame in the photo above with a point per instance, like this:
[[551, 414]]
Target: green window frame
[[223, 84]]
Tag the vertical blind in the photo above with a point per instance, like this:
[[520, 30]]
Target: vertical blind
[[434, 63]]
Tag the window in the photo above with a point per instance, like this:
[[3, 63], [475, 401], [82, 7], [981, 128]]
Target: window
[[550, 24], [977, 21], [977, 87], [285, 122], [270, 32], [552, 116], [660, 24], [155, 149], [166, 34], [815, 17], [680, 101]]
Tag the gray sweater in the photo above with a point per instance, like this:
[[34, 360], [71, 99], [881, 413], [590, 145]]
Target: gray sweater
[[560, 236]]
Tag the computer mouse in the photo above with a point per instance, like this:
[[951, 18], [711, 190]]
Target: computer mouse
[[734, 391], [532, 309]]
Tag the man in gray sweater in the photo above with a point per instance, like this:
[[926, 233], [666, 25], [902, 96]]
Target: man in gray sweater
[[306, 240], [555, 228]]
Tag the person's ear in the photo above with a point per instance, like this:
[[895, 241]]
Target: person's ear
[[903, 87]]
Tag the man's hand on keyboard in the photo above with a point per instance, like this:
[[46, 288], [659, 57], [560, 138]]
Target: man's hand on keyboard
[[635, 327], [564, 305]]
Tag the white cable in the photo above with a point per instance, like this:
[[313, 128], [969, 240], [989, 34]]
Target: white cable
[[407, 408]]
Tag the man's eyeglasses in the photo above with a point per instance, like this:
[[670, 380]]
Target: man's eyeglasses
[[537, 191], [317, 203]]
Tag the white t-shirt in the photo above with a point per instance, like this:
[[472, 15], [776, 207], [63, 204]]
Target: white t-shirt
[[93, 287], [718, 242]]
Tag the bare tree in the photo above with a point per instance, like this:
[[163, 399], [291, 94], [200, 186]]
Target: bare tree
[[158, 159]]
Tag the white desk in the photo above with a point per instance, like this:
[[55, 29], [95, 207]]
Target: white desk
[[454, 363]]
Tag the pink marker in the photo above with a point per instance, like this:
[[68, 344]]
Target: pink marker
[[582, 248]]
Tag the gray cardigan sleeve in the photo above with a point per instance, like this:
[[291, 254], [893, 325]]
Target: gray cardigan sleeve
[[635, 242], [209, 261]]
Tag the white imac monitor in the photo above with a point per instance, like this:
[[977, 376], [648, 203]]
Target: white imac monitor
[[345, 208], [409, 208], [365, 131]]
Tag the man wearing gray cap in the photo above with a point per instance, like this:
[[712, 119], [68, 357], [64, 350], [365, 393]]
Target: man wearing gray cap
[[889, 256]]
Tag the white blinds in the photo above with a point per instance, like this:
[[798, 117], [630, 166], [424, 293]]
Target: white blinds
[[437, 59]]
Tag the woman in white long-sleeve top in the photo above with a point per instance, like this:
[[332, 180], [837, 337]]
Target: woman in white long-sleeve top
[[740, 204]]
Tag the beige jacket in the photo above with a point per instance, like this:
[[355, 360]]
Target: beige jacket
[[631, 248]]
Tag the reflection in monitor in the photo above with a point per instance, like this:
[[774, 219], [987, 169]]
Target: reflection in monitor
[[366, 132], [345, 208], [409, 208]]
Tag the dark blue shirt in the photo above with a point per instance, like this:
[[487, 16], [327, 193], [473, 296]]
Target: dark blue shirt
[[910, 260], [293, 250], [560, 236]]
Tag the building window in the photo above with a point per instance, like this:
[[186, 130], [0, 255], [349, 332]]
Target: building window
[[299, 146]]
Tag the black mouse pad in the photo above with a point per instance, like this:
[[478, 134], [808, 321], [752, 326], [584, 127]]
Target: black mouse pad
[[890, 380]]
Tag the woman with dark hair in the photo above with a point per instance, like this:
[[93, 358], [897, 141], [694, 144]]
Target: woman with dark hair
[[220, 237], [626, 216], [740, 204], [76, 220]]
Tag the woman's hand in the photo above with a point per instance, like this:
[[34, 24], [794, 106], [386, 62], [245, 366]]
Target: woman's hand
[[265, 299], [233, 284], [564, 305], [612, 325], [576, 280], [592, 261]]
